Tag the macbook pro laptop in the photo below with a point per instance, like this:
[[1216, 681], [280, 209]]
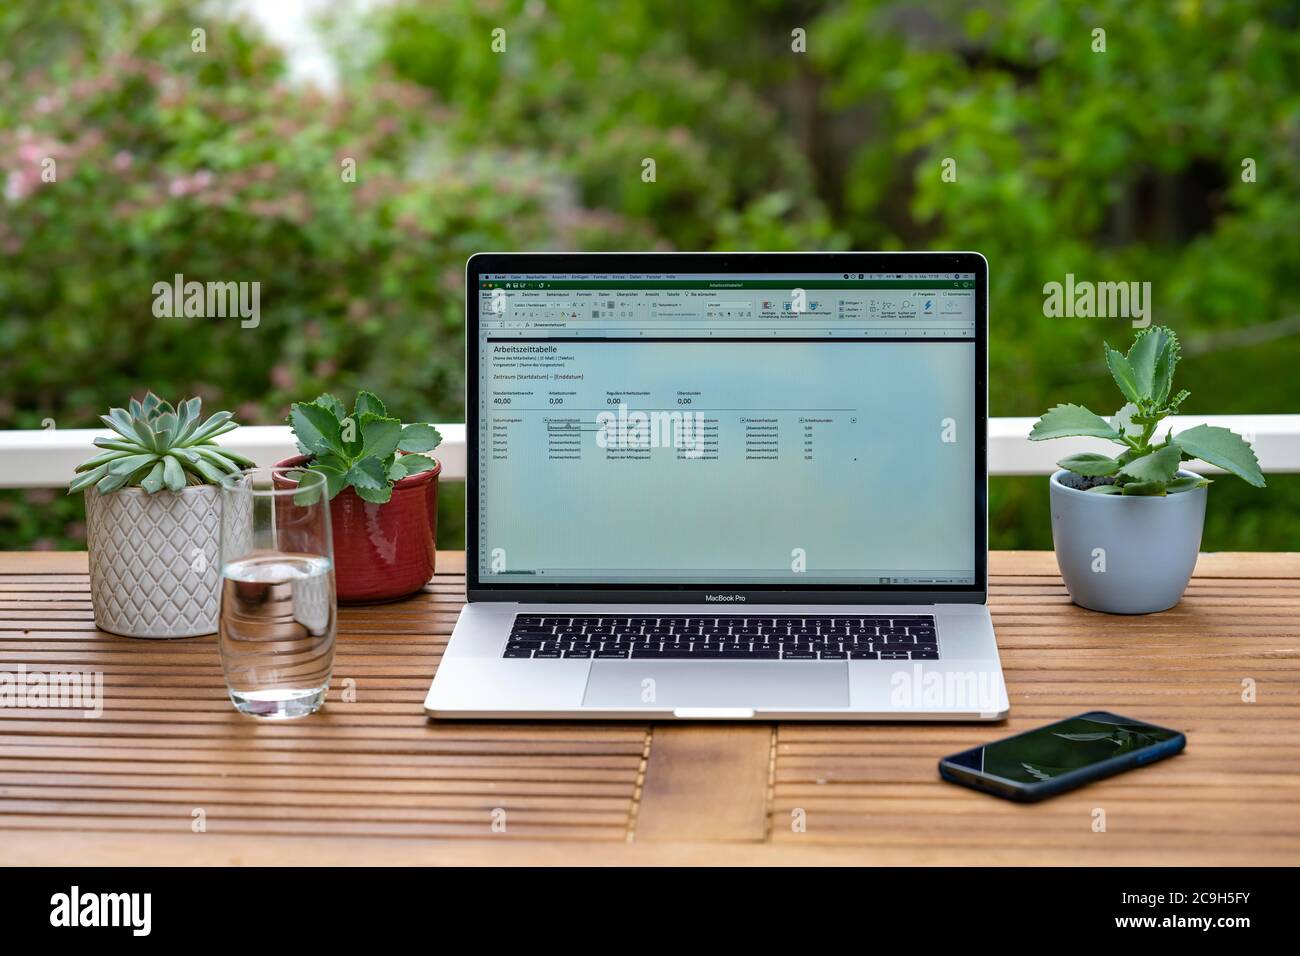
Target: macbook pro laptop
[[725, 486]]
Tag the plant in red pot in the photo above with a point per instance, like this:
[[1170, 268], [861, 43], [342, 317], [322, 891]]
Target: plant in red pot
[[383, 493]]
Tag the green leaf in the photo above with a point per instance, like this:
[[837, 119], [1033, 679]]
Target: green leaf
[[316, 428], [124, 466], [86, 479], [145, 434], [163, 427], [101, 459], [154, 480], [1090, 464], [333, 404], [310, 489], [1061, 422], [210, 472], [335, 472], [1166, 361], [1161, 465], [1145, 488], [118, 420], [133, 447], [335, 481], [189, 419], [215, 425], [1107, 489], [368, 402], [379, 436], [1122, 372], [421, 437], [173, 473], [1186, 484], [413, 464], [369, 474], [1219, 446], [1144, 355], [219, 459], [237, 458], [377, 496]]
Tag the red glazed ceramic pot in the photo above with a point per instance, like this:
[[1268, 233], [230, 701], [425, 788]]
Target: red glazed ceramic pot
[[382, 552]]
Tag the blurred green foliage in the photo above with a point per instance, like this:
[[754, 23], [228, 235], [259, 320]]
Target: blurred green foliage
[[1123, 165]]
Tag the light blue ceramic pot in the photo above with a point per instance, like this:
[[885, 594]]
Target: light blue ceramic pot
[[1126, 555]]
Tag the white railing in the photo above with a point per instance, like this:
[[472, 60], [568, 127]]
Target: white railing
[[46, 458]]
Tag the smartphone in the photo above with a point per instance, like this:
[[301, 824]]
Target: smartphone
[[1059, 757]]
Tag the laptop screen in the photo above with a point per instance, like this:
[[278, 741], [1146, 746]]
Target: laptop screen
[[745, 429]]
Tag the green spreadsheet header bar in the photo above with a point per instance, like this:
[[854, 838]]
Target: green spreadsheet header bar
[[775, 283]]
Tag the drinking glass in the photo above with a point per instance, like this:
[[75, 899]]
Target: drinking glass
[[277, 619]]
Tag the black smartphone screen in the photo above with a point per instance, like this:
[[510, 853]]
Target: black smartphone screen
[[1071, 745]]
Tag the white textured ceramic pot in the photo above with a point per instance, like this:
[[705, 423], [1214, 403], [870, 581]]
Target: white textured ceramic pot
[[1126, 554], [155, 560]]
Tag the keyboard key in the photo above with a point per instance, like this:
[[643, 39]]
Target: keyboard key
[[863, 655], [518, 652], [586, 652], [609, 653], [925, 655], [789, 655], [547, 654]]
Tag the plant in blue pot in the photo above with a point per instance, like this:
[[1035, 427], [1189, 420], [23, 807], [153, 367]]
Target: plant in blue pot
[[1127, 526]]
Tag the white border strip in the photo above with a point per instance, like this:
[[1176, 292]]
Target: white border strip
[[36, 458]]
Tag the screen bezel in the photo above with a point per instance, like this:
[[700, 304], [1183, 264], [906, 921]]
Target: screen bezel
[[721, 263]]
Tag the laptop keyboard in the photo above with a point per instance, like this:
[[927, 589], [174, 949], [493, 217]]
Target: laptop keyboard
[[757, 637]]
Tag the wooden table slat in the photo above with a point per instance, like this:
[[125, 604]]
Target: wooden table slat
[[373, 780]]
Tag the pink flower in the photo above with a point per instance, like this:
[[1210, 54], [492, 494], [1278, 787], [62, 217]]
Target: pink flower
[[282, 377], [122, 161]]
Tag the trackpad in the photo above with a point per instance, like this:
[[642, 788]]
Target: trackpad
[[762, 685]]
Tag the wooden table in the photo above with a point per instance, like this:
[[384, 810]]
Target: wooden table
[[372, 780]]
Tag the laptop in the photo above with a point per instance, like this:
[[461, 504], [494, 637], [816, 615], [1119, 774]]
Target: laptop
[[725, 486]]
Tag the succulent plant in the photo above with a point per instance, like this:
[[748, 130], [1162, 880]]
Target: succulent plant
[[360, 450], [157, 446], [1145, 466]]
